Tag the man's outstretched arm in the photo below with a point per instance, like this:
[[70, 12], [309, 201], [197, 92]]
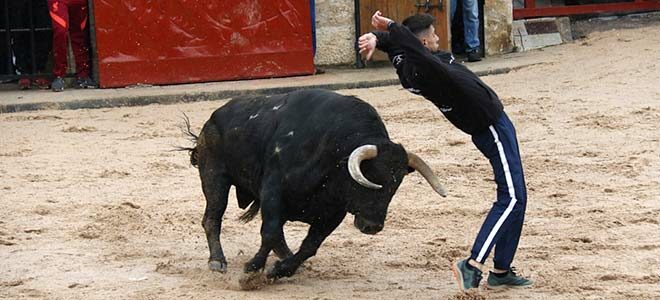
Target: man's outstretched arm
[[369, 42], [401, 37]]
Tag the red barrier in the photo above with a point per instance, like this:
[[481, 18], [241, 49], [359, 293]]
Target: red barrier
[[531, 11], [181, 41]]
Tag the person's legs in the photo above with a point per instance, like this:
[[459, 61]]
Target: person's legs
[[452, 9], [78, 34], [504, 221], [471, 24], [59, 14], [507, 244]]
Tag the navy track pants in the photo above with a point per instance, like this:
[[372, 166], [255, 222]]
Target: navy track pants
[[504, 222]]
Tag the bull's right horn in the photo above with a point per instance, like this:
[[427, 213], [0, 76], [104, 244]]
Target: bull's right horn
[[418, 164], [357, 156]]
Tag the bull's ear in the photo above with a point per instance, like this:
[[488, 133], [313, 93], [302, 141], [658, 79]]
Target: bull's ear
[[410, 169]]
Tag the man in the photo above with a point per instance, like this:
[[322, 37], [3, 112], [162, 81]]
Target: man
[[470, 15], [70, 20], [472, 106]]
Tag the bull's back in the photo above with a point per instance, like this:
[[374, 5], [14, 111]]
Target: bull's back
[[302, 134], [235, 135]]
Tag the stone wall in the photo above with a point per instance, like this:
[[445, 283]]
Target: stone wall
[[498, 16], [335, 32]]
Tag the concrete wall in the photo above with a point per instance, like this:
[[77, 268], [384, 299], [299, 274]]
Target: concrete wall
[[335, 32]]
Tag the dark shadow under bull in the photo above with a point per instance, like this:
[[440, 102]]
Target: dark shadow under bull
[[309, 156]]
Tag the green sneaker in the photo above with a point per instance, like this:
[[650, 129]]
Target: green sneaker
[[511, 279], [468, 277]]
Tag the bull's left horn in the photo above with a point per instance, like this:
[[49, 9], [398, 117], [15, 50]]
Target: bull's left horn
[[418, 164], [357, 156]]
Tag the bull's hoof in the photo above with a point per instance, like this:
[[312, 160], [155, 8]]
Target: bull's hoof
[[218, 266], [251, 268], [281, 269], [256, 264]]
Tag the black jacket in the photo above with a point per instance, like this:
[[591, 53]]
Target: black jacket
[[461, 96]]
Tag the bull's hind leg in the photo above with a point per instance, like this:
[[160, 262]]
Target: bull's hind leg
[[215, 184]]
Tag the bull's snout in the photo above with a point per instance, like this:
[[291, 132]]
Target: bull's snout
[[367, 227]]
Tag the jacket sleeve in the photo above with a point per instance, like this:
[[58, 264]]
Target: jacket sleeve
[[385, 44], [458, 79], [401, 37]]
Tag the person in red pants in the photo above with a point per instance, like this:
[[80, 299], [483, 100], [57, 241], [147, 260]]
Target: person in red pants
[[70, 18]]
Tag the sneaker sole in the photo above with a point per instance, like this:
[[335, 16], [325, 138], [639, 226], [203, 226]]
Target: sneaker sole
[[496, 287], [506, 286]]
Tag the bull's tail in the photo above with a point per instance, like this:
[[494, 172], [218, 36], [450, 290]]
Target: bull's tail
[[250, 213], [253, 210], [192, 137]]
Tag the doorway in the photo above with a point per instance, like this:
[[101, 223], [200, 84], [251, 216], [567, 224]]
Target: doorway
[[398, 10]]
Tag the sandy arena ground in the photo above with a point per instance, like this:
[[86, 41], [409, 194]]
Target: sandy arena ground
[[95, 206]]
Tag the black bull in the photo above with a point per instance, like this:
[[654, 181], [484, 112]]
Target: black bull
[[309, 156]]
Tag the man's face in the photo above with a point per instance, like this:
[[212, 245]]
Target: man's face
[[429, 39]]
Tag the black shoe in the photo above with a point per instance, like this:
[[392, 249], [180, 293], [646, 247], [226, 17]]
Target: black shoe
[[473, 56], [57, 85], [85, 83]]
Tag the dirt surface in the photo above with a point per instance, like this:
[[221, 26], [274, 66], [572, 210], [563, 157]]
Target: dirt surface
[[95, 206]]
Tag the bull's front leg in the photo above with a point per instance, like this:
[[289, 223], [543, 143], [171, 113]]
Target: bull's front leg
[[272, 233], [318, 232]]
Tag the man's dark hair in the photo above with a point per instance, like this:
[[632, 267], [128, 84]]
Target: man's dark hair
[[418, 23]]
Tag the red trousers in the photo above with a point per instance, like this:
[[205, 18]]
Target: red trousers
[[70, 21]]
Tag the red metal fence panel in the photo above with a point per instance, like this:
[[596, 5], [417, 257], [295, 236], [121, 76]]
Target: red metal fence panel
[[531, 11], [181, 41]]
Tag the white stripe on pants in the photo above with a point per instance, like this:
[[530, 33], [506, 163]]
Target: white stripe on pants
[[512, 193]]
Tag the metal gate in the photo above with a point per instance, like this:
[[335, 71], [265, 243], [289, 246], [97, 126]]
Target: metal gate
[[25, 39]]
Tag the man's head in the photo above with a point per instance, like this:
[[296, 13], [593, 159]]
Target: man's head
[[422, 26]]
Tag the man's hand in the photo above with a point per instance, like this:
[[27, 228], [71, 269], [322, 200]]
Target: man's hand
[[367, 43], [379, 22]]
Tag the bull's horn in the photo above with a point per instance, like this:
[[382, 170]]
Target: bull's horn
[[418, 164], [357, 156]]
